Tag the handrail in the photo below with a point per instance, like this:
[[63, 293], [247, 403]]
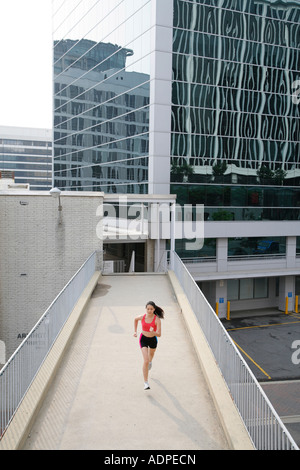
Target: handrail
[[19, 371], [244, 258], [261, 420]]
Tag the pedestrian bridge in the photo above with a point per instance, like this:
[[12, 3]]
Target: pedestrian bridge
[[97, 399], [88, 390]]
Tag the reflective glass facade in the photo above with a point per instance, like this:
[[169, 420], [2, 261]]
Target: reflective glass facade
[[27, 153], [235, 116], [101, 102]]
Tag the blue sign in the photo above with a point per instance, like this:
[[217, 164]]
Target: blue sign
[[290, 294], [221, 300]]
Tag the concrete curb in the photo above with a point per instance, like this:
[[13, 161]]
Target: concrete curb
[[22, 421], [234, 428]]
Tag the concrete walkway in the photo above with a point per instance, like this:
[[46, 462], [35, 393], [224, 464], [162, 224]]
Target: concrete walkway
[[97, 401]]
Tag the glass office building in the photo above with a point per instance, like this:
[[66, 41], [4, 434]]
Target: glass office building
[[211, 85], [27, 154], [198, 98], [102, 88], [235, 119]]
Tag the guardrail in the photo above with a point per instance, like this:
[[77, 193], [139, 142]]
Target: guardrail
[[212, 259], [263, 424], [18, 373]]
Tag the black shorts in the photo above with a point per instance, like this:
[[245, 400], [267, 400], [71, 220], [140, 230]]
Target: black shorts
[[146, 342]]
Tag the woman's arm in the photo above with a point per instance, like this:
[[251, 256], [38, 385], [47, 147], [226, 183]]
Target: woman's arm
[[136, 320], [158, 328]]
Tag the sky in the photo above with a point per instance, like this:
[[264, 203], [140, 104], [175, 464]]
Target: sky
[[26, 63]]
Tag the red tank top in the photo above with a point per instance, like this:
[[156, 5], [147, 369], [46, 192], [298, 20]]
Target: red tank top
[[146, 326]]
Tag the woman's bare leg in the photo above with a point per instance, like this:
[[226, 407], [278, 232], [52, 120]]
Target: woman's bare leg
[[146, 363], [151, 353]]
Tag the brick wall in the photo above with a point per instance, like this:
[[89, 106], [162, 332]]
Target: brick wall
[[39, 255]]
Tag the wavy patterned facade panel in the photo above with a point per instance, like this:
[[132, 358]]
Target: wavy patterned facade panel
[[234, 65]]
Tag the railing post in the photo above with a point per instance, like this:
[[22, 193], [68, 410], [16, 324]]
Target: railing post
[[228, 310], [286, 305], [172, 234]]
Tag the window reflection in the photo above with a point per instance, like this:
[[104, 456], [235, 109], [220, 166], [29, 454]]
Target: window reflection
[[232, 118], [208, 250], [239, 202], [256, 246], [101, 102], [233, 122]]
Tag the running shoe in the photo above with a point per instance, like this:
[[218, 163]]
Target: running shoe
[[146, 386]]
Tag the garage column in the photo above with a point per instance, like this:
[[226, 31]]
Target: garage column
[[286, 290], [221, 297], [291, 243], [221, 285], [222, 248]]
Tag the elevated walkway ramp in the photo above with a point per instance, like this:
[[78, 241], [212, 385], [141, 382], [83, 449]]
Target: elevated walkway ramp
[[97, 401]]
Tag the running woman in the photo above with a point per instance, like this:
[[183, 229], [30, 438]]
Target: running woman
[[151, 329]]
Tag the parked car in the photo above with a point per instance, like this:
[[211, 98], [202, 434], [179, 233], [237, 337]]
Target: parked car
[[266, 247]]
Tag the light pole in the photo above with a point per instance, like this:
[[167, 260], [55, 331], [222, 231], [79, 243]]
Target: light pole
[[55, 192]]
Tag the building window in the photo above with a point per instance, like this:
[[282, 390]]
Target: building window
[[297, 246], [256, 246], [247, 289], [208, 250], [297, 285]]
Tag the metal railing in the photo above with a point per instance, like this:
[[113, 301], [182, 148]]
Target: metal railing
[[20, 370], [244, 258], [263, 424]]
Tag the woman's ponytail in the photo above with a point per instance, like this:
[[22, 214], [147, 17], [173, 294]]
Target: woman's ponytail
[[158, 311]]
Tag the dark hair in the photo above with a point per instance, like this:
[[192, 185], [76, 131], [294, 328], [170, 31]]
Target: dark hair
[[157, 310]]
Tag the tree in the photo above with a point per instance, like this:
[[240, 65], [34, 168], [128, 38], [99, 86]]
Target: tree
[[178, 172], [219, 168], [265, 173], [268, 176], [279, 175], [222, 215]]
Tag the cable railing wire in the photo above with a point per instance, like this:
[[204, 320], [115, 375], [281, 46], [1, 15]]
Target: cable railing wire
[[20, 370], [264, 426]]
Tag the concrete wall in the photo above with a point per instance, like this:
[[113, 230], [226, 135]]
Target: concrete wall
[[39, 255]]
